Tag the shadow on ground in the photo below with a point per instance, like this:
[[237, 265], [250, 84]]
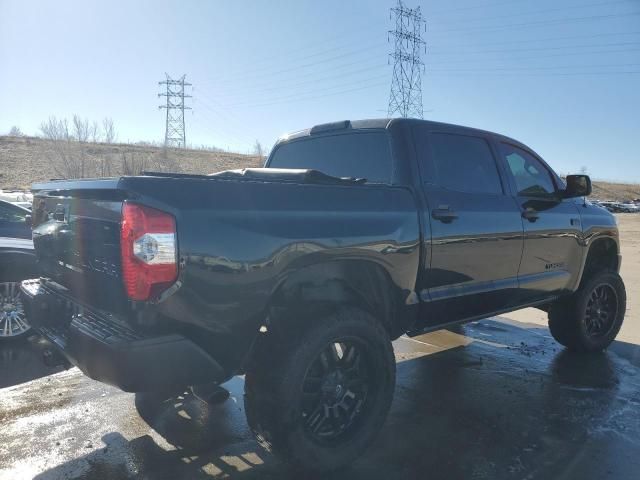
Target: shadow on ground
[[492, 400], [21, 361]]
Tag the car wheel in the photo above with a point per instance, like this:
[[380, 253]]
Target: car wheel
[[590, 319], [318, 399], [13, 321]]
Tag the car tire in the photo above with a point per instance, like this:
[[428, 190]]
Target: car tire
[[317, 397], [590, 319], [13, 321]]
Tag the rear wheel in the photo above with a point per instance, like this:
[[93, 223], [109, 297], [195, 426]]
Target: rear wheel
[[318, 399], [13, 321], [590, 319]]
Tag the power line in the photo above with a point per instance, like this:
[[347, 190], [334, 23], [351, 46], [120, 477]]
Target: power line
[[431, 73], [312, 91], [219, 126], [266, 84], [338, 72], [536, 12], [547, 39], [253, 71], [544, 74], [517, 50], [174, 135], [295, 68], [313, 97], [474, 7], [539, 23], [542, 56], [405, 97], [558, 67], [314, 82]]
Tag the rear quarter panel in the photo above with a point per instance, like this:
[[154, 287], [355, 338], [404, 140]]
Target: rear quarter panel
[[239, 241]]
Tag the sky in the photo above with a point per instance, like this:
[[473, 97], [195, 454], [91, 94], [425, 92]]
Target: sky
[[562, 76]]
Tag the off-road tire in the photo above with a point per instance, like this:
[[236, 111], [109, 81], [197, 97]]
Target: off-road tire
[[274, 387], [568, 317]]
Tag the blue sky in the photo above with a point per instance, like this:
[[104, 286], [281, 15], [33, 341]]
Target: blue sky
[[561, 76]]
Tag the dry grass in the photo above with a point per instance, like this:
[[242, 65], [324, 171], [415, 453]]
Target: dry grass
[[24, 160], [615, 191]]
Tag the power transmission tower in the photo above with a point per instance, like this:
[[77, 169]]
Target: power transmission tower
[[175, 135], [406, 86]]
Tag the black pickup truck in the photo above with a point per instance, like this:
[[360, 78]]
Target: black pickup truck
[[299, 275]]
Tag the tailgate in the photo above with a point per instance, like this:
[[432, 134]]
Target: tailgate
[[76, 235]]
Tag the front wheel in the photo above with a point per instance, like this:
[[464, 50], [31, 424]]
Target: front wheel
[[13, 321], [318, 398], [590, 319]]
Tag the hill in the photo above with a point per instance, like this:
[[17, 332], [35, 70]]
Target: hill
[[24, 160], [615, 191]]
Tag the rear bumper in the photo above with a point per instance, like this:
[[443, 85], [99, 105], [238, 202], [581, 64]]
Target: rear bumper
[[113, 353]]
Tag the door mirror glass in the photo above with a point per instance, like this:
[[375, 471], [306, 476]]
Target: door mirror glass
[[577, 186]]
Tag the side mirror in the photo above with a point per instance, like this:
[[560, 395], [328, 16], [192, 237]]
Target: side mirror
[[27, 219], [577, 186]]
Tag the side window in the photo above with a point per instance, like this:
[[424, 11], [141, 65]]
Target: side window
[[531, 176], [9, 213], [464, 164]]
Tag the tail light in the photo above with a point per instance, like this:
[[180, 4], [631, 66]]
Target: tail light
[[148, 247]]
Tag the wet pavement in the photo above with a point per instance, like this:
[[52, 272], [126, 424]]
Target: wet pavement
[[494, 399]]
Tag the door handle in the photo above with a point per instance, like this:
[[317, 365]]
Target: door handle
[[444, 214], [530, 214]]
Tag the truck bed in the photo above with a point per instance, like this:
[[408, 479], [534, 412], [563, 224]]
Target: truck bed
[[241, 236]]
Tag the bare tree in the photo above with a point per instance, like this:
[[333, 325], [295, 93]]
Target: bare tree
[[258, 150], [134, 163], [15, 132], [64, 161], [81, 129], [108, 130], [94, 132], [54, 129], [70, 143], [82, 133]]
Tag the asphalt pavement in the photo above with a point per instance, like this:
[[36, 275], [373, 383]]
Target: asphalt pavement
[[496, 399]]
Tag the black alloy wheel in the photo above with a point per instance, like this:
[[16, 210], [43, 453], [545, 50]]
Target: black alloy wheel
[[335, 390], [602, 309]]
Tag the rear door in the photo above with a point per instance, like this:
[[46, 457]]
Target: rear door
[[552, 254], [475, 236]]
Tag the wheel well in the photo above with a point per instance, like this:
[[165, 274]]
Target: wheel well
[[317, 289], [603, 255]]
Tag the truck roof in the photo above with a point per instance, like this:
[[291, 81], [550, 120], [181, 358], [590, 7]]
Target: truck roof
[[381, 123]]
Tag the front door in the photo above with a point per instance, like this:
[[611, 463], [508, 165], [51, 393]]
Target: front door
[[475, 238], [552, 255]]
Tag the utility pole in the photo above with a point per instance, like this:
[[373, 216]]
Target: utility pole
[[174, 135], [406, 85]]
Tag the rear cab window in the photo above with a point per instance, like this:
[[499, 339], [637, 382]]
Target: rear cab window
[[355, 154]]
